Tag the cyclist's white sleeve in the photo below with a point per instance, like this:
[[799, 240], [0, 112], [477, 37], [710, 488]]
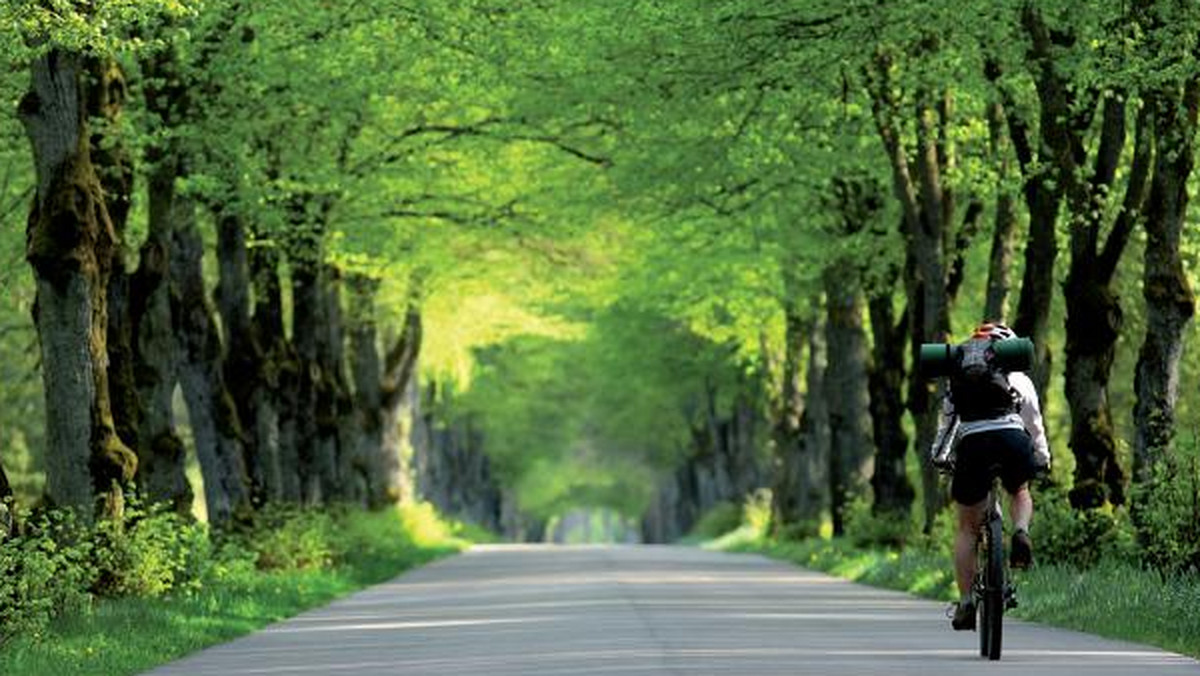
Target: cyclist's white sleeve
[[1031, 415]]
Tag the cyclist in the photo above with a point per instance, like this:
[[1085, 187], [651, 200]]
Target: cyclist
[[1012, 440]]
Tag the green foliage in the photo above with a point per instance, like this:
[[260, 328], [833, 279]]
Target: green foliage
[[133, 633], [288, 537], [718, 520], [1167, 516], [154, 551], [44, 574], [1080, 538]]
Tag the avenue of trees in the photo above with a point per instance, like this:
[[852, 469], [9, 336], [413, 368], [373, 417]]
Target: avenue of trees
[[515, 259]]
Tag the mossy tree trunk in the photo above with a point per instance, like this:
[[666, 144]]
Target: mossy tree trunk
[[813, 494], [71, 244], [1094, 316], [161, 453], [1170, 300], [885, 381], [787, 434], [367, 369], [246, 365], [275, 405], [105, 95], [334, 404], [215, 425], [307, 319], [850, 450]]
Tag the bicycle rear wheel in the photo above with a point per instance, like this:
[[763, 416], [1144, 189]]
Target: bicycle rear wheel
[[992, 608]]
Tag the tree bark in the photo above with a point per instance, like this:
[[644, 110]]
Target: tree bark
[[1094, 316], [7, 522], [786, 516], [1170, 301], [367, 369], [894, 493], [928, 209], [275, 403], [70, 246], [211, 411], [813, 495], [1004, 228], [850, 451], [245, 362], [161, 453], [395, 464]]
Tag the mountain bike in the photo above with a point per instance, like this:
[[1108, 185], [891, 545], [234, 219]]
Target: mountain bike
[[992, 589]]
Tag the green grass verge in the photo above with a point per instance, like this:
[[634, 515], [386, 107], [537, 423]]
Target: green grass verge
[[130, 635], [1112, 599]]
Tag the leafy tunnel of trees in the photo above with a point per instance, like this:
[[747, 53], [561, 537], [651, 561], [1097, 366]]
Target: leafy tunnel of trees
[[517, 259]]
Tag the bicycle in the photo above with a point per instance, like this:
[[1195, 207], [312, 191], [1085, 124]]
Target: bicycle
[[992, 590]]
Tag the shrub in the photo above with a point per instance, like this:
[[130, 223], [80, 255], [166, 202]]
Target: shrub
[[286, 537], [44, 573], [150, 553], [718, 520], [1167, 514], [1080, 538]]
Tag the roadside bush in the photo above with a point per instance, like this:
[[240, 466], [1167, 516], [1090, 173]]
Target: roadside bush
[[867, 529], [1080, 538], [720, 519], [44, 573], [1167, 515], [286, 537], [152, 552]]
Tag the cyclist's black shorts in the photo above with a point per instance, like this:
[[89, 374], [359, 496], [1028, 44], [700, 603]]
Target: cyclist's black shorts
[[981, 456]]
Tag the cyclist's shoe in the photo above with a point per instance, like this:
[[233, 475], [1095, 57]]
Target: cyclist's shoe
[[1021, 555], [963, 618]]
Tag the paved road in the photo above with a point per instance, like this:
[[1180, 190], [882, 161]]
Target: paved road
[[502, 610]]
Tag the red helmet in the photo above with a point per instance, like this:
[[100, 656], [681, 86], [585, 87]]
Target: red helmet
[[993, 330]]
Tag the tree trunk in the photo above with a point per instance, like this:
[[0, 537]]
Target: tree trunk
[[395, 465], [1170, 301], [1004, 229], [7, 522], [893, 491], [70, 246], [275, 401], [245, 360], [813, 494], [1093, 313], [105, 100], [367, 369], [215, 425], [787, 431], [333, 399], [161, 453], [845, 387]]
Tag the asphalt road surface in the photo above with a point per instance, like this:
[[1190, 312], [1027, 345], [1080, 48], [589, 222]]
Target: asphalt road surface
[[517, 609]]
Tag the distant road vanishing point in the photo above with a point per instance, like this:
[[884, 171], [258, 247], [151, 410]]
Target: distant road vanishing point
[[533, 609]]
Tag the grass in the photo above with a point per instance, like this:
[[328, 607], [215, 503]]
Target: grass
[[1113, 599], [130, 635]]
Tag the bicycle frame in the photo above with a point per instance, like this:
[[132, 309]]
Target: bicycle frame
[[991, 588]]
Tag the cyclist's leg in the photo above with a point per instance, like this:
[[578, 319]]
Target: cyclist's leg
[[1021, 507], [970, 520]]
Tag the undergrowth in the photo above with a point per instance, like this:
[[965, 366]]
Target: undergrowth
[[120, 600]]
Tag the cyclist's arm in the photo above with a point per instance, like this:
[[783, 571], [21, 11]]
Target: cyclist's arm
[[1031, 416], [943, 442]]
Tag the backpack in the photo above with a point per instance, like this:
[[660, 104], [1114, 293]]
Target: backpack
[[979, 389]]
